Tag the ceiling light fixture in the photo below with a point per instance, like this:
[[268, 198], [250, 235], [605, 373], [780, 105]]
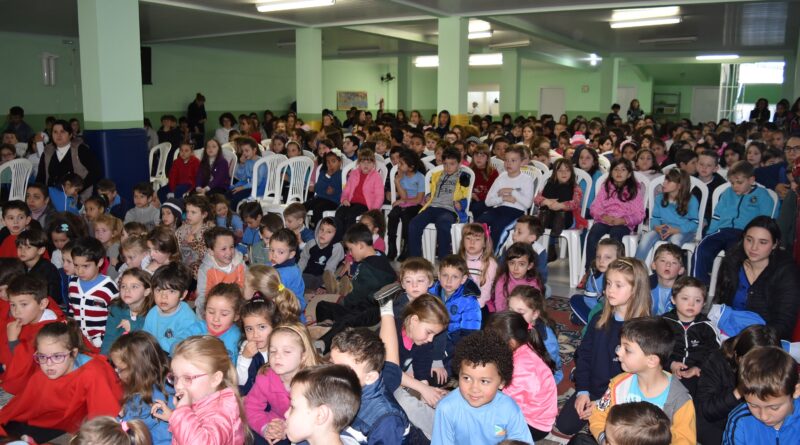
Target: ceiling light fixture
[[621, 15], [717, 57], [646, 22], [358, 51], [286, 5], [479, 35], [668, 40], [490, 59], [593, 59], [479, 26], [513, 44]]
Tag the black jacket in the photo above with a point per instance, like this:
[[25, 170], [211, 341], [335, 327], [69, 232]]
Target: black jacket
[[714, 399], [694, 343], [47, 272], [372, 274], [775, 295]]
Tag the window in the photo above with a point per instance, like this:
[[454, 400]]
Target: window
[[761, 72]]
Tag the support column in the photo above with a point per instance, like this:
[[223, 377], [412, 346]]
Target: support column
[[308, 68], [111, 84], [405, 66], [509, 82], [451, 94], [791, 75], [609, 81]]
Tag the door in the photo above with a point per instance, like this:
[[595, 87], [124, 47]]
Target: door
[[705, 104], [551, 101], [624, 97]]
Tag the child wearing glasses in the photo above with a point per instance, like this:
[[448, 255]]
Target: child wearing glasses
[[208, 407], [85, 386]]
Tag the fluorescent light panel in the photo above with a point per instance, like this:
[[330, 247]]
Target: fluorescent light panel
[[479, 26], [646, 22], [717, 57], [621, 15], [284, 5], [479, 35], [474, 60]]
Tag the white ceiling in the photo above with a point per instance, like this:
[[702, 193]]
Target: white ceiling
[[559, 31]]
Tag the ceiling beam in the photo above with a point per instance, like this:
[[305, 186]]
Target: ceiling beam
[[395, 33], [669, 57], [373, 21], [223, 11], [549, 58], [219, 34], [524, 26], [584, 5], [436, 12]]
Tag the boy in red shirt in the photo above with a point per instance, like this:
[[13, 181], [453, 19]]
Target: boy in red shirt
[[16, 217]]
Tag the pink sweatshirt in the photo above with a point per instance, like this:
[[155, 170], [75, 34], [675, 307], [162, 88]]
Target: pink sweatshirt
[[372, 189], [533, 387], [475, 268], [214, 420], [631, 211], [268, 390], [500, 301]]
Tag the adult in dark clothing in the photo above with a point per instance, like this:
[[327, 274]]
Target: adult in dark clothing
[[613, 115], [17, 124], [196, 114], [65, 155], [442, 123], [716, 393], [760, 114], [169, 132], [758, 276]]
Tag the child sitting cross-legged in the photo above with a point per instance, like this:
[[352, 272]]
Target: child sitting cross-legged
[[517, 269], [374, 271], [585, 306], [321, 255], [30, 312], [380, 419], [171, 319], [529, 302], [222, 264], [645, 347], [695, 336], [479, 412], [324, 400], [637, 423], [259, 317]]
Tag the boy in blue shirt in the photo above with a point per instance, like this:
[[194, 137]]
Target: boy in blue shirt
[[65, 197], [282, 253], [668, 266], [380, 420], [295, 216], [768, 382], [251, 214], [737, 206], [171, 319], [479, 412]]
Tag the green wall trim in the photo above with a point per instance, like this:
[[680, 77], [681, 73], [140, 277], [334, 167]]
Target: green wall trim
[[120, 125]]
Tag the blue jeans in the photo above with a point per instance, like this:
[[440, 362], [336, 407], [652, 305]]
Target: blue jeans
[[442, 219], [497, 218], [180, 190], [649, 239], [707, 250], [598, 231]]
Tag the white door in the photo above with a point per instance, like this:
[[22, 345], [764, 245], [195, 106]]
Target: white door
[[551, 101], [705, 104], [624, 97]]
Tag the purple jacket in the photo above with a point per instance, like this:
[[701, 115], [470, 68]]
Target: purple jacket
[[220, 175], [631, 211]]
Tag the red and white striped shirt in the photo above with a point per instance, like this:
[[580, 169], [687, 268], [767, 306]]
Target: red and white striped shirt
[[90, 307]]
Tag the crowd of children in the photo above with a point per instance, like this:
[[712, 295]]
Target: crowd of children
[[182, 317]]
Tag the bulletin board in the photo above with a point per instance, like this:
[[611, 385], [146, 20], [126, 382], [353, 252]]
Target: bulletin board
[[348, 99]]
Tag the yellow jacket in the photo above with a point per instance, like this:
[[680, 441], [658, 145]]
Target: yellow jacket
[[461, 194]]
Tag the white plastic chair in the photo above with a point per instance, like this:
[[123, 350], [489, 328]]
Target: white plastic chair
[[667, 168], [309, 155], [160, 179], [346, 169], [540, 165], [536, 175], [232, 160], [272, 192], [603, 163], [498, 164], [429, 234], [199, 154], [266, 142], [20, 169], [386, 208], [300, 167]]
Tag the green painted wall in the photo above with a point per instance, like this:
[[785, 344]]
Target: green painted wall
[[771, 92]]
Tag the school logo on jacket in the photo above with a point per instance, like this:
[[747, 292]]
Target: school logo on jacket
[[322, 260], [499, 431], [753, 200], [604, 401]]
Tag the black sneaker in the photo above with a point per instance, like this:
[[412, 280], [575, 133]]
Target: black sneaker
[[388, 292]]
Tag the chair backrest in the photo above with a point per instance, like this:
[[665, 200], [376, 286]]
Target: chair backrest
[[428, 165], [603, 163], [498, 164], [21, 169], [667, 168], [228, 146], [272, 192], [346, 171], [309, 154], [383, 170], [256, 178], [266, 142], [440, 168], [541, 166], [580, 177], [163, 151], [199, 154], [232, 160], [536, 175], [392, 185], [300, 167]]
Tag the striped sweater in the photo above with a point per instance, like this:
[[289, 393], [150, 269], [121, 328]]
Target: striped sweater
[[89, 301]]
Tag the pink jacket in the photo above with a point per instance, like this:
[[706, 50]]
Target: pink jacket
[[631, 211], [268, 390], [500, 300], [373, 188], [475, 268], [214, 420], [534, 389]]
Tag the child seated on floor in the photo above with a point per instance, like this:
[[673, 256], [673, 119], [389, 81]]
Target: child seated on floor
[[768, 382], [645, 347], [31, 248], [222, 264], [529, 302], [259, 251], [171, 319], [220, 316], [374, 271], [320, 256], [143, 210], [479, 412], [65, 197], [668, 266], [585, 306], [295, 217], [516, 269], [90, 292], [117, 205], [251, 214], [529, 230], [282, 251]]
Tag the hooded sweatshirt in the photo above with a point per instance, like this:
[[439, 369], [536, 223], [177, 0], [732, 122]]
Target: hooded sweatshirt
[[315, 258], [372, 273]]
